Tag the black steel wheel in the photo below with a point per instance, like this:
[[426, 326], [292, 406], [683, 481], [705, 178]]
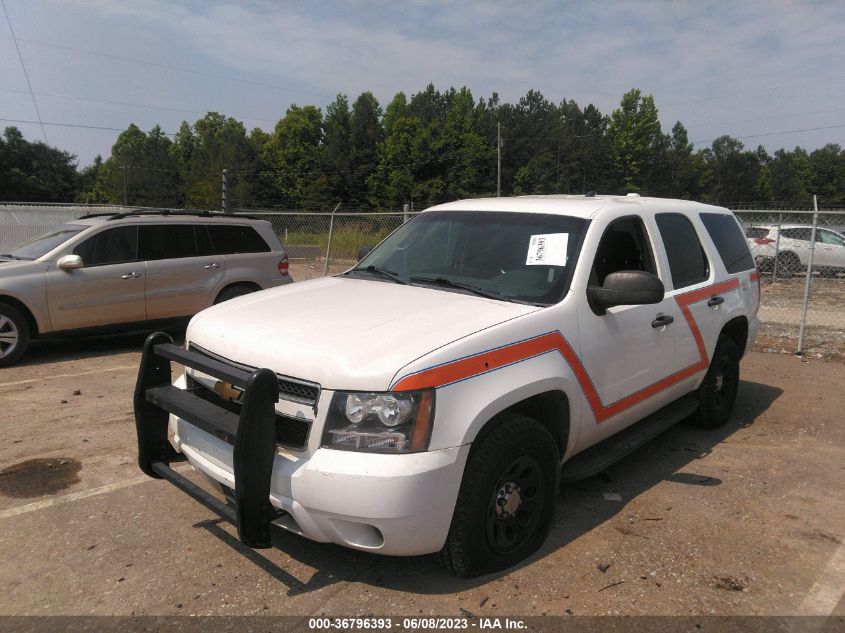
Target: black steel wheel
[[717, 393], [507, 497]]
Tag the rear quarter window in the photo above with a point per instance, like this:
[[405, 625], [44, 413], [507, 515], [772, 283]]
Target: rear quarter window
[[232, 239], [731, 245], [756, 232], [687, 261]]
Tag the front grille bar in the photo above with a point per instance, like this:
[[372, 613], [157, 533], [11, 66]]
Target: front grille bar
[[254, 432]]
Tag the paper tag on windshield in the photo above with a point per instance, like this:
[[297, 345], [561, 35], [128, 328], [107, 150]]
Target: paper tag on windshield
[[547, 250]]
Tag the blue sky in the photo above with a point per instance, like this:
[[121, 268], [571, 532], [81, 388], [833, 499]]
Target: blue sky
[[741, 68]]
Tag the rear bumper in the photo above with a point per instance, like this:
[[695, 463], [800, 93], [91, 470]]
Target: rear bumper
[[389, 504]]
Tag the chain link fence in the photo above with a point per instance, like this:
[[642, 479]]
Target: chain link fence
[[327, 243], [801, 259], [802, 268]]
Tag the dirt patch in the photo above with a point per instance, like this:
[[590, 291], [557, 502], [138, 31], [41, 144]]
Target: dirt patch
[[39, 477], [730, 583]]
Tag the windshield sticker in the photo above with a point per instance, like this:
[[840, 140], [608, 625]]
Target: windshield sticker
[[547, 250]]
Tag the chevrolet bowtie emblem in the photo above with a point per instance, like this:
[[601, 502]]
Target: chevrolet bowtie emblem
[[227, 391]]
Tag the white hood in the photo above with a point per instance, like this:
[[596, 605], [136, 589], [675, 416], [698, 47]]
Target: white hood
[[341, 332]]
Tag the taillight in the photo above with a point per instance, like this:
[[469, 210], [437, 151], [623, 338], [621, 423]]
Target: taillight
[[763, 240], [283, 266]]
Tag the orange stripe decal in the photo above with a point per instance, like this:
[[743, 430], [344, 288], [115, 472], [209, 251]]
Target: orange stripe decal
[[471, 366]]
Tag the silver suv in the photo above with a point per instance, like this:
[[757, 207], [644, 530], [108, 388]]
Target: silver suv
[[131, 268]]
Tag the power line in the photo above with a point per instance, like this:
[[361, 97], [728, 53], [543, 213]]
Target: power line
[[76, 125], [172, 67], [809, 129], [128, 104], [23, 66]]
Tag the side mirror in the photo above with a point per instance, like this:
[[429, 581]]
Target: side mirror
[[364, 251], [69, 262], [625, 288]]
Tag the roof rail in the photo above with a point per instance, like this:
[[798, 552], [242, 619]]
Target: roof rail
[[166, 212]]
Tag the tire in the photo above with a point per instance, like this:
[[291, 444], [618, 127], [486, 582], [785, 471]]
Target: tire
[[233, 291], [516, 463], [14, 335], [717, 393], [788, 264]]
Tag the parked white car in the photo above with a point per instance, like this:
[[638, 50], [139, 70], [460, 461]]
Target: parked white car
[[426, 400], [793, 249]]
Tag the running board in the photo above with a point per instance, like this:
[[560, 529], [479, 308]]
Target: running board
[[597, 458]]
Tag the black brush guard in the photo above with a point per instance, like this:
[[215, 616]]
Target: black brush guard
[[253, 432]]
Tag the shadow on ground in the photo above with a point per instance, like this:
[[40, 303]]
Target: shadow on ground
[[66, 348], [669, 457]]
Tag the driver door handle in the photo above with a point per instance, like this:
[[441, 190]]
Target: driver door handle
[[662, 320], [212, 265], [132, 275], [715, 300]]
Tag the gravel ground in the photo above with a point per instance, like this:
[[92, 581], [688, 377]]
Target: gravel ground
[[748, 519]]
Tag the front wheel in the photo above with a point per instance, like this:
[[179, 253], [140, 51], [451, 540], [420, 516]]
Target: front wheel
[[14, 335], [717, 393], [507, 497]]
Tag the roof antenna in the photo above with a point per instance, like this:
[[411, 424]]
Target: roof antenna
[[590, 194]]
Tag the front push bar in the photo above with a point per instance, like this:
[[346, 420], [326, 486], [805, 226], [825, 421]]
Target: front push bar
[[252, 433]]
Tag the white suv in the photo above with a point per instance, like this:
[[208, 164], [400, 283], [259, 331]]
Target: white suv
[[432, 398], [792, 248]]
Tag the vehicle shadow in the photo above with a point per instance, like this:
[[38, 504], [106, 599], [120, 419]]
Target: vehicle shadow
[[66, 348], [669, 457]]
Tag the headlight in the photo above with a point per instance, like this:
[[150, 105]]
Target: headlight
[[380, 422]]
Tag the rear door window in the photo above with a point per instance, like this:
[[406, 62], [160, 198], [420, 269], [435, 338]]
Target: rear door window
[[687, 261], [800, 233], [231, 239], [112, 246], [727, 236], [167, 241]]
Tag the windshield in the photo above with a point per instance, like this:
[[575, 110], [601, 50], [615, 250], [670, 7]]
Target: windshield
[[521, 257], [42, 245]]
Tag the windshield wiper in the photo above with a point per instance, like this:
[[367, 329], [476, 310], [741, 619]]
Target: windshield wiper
[[9, 256], [448, 283], [387, 274]]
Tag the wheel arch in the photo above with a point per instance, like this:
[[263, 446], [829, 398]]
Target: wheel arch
[[21, 307], [253, 286], [737, 329], [549, 406]]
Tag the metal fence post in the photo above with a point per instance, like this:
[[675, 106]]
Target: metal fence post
[[777, 249], [405, 209], [800, 349], [329, 243], [224, 190]]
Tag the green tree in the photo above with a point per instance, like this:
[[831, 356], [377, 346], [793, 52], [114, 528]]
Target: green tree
[[635, 136], [731, 174], [140, 171], [214, 143], [35, 171], [827, 166], [291, 154], [365, 135], [392, 183]]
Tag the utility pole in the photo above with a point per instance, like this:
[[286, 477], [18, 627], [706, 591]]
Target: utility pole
[[223, 190], [124, 185], [498, 159]]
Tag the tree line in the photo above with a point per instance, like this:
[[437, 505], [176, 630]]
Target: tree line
[[432, 147]]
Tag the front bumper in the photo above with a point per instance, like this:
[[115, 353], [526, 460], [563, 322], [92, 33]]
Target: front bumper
[[389, 504]]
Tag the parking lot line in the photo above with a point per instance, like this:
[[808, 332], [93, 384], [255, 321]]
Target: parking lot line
[[828, 589], [81, 373], [74, 496]]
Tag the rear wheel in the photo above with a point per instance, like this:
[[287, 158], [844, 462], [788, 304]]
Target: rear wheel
[[506, 502], [717, 393], [14, 334]]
